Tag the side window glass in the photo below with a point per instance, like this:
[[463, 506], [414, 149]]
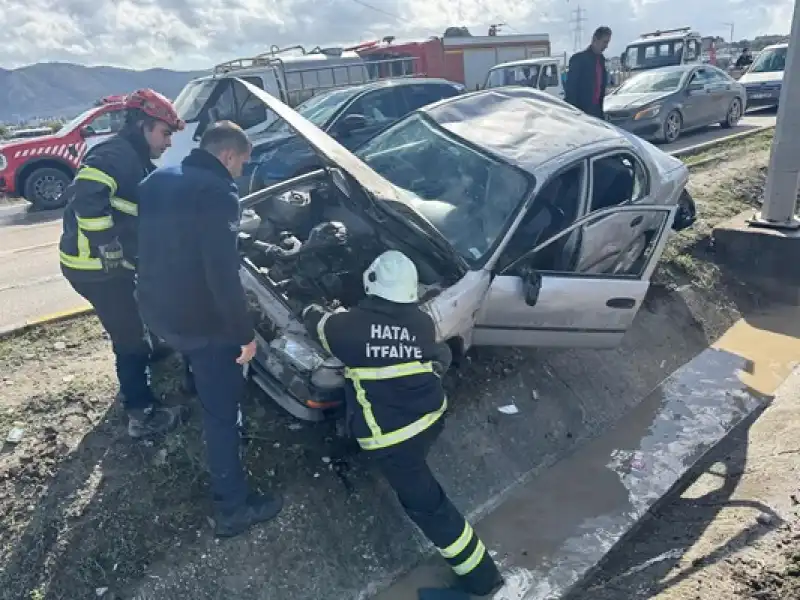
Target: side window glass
[[100, 125], [555, 208], [548, 77], [418, 96], [250, 111], [378, 107], [617, 179], [618, 244], [225, 106], [691, 50]]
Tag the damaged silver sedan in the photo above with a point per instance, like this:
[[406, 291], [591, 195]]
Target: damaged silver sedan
[[531, 224]]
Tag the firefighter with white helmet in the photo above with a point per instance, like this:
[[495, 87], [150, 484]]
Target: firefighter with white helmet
[[97, 249], [396, 404]]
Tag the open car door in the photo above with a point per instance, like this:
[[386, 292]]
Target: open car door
[[582, 287]]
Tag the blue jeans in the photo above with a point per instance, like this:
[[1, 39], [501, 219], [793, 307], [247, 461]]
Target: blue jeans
[[220, 385], [115, 305]]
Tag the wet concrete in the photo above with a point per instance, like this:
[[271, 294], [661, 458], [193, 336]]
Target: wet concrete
[[342, 534]]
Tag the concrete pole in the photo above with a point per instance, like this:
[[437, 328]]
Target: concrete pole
[[780, 195]]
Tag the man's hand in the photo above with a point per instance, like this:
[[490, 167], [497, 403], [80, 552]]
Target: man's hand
[[111, 256], [248, 352]]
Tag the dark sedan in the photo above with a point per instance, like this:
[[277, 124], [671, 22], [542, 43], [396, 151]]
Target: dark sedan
[[661, 104], [350, 115]]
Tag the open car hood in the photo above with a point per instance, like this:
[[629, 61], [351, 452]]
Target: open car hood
[[334, 154], [329, 150]]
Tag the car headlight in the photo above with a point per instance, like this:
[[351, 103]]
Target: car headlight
[[647, 113], [3, 162], [297, 352]]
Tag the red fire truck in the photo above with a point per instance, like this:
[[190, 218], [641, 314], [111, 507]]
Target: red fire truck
[[39, 168], [464, 59]]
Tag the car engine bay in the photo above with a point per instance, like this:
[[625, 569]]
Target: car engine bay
[[307, 247]]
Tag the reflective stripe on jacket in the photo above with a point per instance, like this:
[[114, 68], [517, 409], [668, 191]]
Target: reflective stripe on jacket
[[389, 351], [102, 205]]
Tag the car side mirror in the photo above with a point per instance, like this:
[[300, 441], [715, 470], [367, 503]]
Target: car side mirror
[[622, 59], [531, 285], [351, 123]]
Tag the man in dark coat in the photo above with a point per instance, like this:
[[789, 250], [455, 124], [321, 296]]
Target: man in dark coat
[[587, 77], [191, 296]]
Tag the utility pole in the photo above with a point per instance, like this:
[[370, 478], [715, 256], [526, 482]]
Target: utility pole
[[730, 41], [780, 195], [577, 28]]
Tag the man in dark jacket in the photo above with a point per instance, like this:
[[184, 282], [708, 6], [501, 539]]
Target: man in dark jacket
[[587, 77], [97, 249], [396, 405], [191, 296]]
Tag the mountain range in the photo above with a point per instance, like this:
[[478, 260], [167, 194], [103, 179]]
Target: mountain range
[[56, 90]]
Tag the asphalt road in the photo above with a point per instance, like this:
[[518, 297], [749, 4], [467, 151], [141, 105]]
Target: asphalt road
[[31, 285]]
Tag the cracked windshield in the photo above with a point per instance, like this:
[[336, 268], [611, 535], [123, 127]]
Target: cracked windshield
[[468, 196]]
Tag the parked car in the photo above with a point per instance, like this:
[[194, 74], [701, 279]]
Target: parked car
[[764, 77], [544, 235], [350, 115], [661, 104], [40, 168], [544, 74]]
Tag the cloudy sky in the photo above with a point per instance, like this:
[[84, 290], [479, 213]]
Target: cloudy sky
[[193, 34]]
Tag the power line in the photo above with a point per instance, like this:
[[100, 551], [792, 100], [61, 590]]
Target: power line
[[578, 19], [380, 10]]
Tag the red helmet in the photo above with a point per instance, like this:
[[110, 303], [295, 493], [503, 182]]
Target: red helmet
[[154, 105]]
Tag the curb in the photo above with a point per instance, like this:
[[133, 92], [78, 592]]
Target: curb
[[66, 315], [698, 148]]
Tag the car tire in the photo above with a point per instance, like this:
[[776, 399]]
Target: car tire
[[734, 114], [672, 127], [686, 214], [44, 188]]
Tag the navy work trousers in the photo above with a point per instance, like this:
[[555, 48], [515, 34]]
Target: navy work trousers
[[406, 469], [115, 304], [220, 386]]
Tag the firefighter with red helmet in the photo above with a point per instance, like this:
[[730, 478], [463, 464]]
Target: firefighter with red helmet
[[97, 249]]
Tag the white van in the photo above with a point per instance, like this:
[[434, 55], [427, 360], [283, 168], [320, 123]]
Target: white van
[[291, 78], [540, 73]]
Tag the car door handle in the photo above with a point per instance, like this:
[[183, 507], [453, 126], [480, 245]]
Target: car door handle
[[625, 303], [637, 221]]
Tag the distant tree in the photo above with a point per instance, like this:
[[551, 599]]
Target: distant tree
[[54, 125], [457, 32], [3, 131]]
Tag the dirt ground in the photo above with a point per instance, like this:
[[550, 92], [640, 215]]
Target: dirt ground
[[85, 512]]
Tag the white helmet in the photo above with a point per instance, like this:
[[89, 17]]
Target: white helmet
[[393, 277]]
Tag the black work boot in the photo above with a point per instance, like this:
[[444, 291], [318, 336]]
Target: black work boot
[[257, 509], [154, 420]]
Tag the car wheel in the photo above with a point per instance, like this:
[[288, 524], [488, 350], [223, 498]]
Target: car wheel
[[43, 188], [734, 114], [686, 214], [672, 126], [628, 259]]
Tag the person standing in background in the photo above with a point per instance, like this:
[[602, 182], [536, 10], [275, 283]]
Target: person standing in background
[[587, 77]]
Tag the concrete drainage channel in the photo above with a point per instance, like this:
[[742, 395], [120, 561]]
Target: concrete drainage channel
[[599, 437]]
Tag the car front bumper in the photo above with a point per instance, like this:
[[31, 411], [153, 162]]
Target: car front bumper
[[760, 98], [645, 128]]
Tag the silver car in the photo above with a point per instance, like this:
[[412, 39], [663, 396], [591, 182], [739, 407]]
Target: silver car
[[660, 104], [531, 224]]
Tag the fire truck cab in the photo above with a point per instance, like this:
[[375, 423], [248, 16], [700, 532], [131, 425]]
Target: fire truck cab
[[662, 49]]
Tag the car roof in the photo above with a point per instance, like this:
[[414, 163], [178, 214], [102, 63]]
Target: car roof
[[544, 126], [526, 61], [776, 46]]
